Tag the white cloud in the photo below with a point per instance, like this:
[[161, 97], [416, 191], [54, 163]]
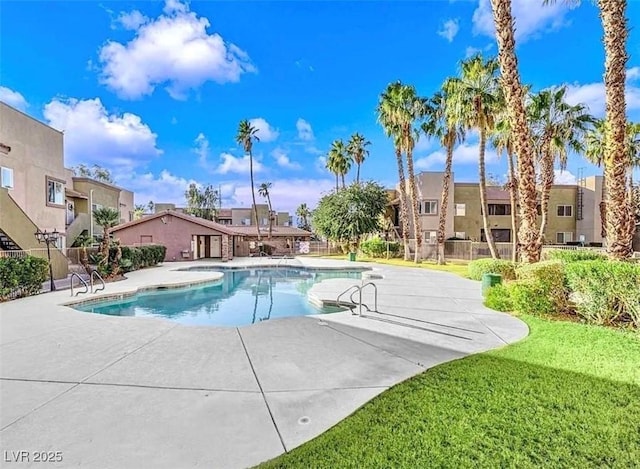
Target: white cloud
[[531, 16], [593, 94], [287, 194], [202, 150], [13, 98], [449, 29], [174, 50], [564, 177], [132, 20], [321, 164], [471, 51], [238, 164], [92, 135], [463, 154], [265, 133], [164, 188], [305, 132], [283, 160]]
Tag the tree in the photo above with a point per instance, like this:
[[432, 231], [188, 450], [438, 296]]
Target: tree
[[357, 150], [475, 99], [398, 110], [349, 214], [529, 243], [107, 218], [556, 127], [245, 137], [303, 213], [443, 126], [263, 190], [138, 211], [151, 206], [338, 161], [96, 172], [201, 202]]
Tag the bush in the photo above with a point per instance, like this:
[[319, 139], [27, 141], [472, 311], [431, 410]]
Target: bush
[[606, 292], [480, 267], [573, 256], [376, 247], [530, 298], [547, 278], [22, 277], [499, 298]]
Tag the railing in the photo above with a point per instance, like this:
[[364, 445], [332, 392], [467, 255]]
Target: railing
[[358, 289], [95, 273], [86, 286], [351, 305]]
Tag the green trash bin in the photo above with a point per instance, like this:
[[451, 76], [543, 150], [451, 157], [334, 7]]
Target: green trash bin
[[490, 280], [352, 256]]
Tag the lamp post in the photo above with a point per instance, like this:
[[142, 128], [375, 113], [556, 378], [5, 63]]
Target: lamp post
[[48, 237]]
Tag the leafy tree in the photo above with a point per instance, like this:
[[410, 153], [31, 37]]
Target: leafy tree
[[304, 214], [347, 215], [201, 202], [357, 150], [96, 172], [151, 206], [263, 190], [138, 211], [246, 136]]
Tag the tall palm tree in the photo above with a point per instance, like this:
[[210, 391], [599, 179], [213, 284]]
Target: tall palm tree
[[474, 100], [556, 126], [338, 161], [303, 213], [446, 128], [107, 218], [357, 149], [246, 136], [263, 190], [514, 95]]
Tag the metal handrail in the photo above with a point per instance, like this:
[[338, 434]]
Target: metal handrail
[[95, 272], [84, 282], [375, 297], [351, 305]]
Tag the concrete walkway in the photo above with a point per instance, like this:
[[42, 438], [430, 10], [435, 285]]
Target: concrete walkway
[[127, 392]]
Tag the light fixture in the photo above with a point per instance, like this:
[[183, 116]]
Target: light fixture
[[48, 237]]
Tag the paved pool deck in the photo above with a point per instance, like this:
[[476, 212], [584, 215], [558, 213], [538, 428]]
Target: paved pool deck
[[128, 392]]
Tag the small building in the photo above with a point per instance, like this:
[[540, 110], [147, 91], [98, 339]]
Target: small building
[[284, 239], [186, 237]]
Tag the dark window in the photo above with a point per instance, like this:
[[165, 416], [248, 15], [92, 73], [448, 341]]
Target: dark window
[[499, 209], [146, 239], [565, 210], [500, 235]]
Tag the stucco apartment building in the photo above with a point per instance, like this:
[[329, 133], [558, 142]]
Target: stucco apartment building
[[38, 193], [238, 216], [573, 211]]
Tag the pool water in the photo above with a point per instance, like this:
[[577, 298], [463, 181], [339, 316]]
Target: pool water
[[242, 297]]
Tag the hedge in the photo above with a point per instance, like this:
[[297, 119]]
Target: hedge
[[22, 276], [503, 267], [376, 247], [573, 255], [134, 258]]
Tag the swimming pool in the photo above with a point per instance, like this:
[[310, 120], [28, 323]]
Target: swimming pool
[[242, 297]]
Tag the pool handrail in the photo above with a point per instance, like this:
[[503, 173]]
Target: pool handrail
[[83, 281]]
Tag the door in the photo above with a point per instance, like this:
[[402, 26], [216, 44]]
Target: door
[[70, 212], [216, 246], [201, 247]]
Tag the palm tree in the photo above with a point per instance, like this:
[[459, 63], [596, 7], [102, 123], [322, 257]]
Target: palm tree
[[556, 126], [444, 126], [474, 100], [245, 137], [263, 190], [303, 213], [107, 218], [514, 95], [357, 149], [338, 161]]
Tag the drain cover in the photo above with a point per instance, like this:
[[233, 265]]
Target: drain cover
[[304, 420]]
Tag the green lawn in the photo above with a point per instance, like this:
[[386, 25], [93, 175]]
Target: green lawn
[[453, 266], [566, 396]]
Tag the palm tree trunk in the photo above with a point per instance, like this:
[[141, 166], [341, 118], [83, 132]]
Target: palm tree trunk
[[616, 160], [404, 212], [444, 202], [603, 209], [270, 214], [337, 183], [483, 195], [547, 183], [343, 184], [514, 95], [513, 199], [413, 194], [358, 174], [253, 194]]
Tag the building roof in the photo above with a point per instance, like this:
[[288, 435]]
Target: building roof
[[74, 194], [196, 220], [277, 231], [224, 212]]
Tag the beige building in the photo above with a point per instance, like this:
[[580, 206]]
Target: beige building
[[239, 216], [588, 198]]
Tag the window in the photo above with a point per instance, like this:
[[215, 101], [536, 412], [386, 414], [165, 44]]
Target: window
[[565, 210], [564, 238], [246, 221], [6, 177], [461, 235], [500, 235], [461, 210], [264, 221], [146, 239], [499, 209], [95, 207], [431, 237], [428, 207], [55, 192]]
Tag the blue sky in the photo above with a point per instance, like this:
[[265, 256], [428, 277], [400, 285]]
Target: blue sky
[[154, 90]]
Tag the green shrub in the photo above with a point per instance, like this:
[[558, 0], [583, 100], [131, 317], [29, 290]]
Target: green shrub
[[606, 292], [530, 298], [573, 255], [22, 277], [376, 247], [548, 278], [499, 298], [503, 267]]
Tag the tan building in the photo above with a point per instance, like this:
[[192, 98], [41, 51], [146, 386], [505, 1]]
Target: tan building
[[239, 216], [589, 222]]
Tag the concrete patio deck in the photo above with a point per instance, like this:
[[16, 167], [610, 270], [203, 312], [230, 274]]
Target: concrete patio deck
[[127, 392]]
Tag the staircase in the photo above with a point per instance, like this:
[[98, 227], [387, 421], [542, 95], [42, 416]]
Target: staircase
[[6, 243], [78, 226]]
